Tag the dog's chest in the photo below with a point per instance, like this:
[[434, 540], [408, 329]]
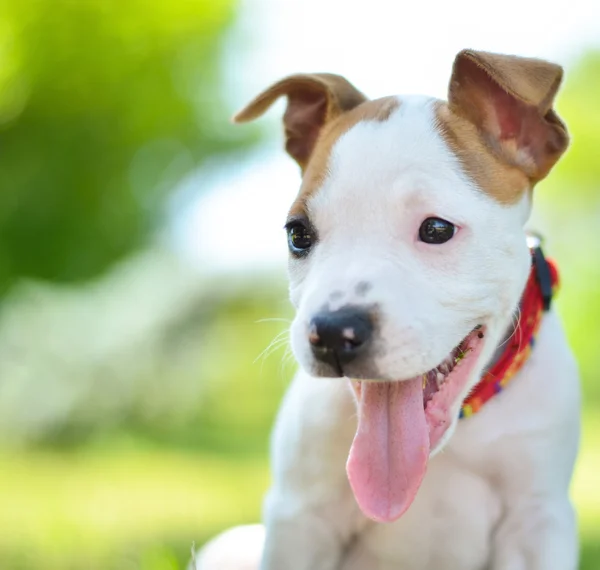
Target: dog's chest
[[449, 526]]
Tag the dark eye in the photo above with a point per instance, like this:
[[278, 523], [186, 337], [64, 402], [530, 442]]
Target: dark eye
[[436, 231], [299, 237]]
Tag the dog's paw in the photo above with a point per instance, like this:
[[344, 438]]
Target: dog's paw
[[239, 548]]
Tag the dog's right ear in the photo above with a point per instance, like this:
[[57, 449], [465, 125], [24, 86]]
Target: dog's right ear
[[510, 99], [313, 101]]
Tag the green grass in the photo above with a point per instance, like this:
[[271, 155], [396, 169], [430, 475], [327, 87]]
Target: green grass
[[128, 508], [120, 509]]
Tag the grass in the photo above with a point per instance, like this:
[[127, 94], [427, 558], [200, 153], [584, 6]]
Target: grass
[[129, 508]]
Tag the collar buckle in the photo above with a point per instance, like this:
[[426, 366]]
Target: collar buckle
[[542, 269]]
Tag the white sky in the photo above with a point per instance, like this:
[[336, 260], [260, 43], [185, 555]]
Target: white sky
[[384, 47]]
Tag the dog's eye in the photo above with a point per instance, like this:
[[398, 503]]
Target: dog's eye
[[436, 231], [299, 237]]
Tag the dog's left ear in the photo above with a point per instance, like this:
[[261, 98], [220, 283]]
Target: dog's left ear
[[313, 100], [509, 99]]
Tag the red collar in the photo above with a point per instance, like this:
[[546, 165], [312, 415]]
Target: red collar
[[542, 283]]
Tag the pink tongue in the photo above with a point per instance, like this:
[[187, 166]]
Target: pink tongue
[[389, 454]]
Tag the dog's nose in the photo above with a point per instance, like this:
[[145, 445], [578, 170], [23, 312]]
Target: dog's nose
[[336, 337]]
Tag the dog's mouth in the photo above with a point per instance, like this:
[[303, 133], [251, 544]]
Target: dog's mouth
[[399, 424]]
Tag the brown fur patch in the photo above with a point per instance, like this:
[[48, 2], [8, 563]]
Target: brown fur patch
[[532, 81], [378, 110], [314, 99], [502, 104], [494, 176]]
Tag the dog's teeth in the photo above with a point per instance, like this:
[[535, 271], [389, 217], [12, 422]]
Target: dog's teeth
[[461, 356], [439, 379], [445, 369]]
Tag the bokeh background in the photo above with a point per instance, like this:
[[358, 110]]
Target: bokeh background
[[142, 260]]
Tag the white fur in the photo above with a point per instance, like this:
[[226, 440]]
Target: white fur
[[496, 497]]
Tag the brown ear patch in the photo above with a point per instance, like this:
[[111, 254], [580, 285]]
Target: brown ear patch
[[481, 163], [378, 110], [313, 100], [508, 99]]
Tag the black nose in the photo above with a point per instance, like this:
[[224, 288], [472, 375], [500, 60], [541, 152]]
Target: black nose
[[337, 337]]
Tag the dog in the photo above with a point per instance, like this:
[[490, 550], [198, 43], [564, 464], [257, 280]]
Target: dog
[[434, 424]]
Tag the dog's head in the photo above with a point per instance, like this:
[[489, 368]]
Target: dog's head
[[408, 253]]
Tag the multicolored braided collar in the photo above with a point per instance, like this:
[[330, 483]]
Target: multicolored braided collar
[[536, 299]]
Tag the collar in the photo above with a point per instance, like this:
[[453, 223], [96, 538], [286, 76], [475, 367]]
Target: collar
[[536, 299]]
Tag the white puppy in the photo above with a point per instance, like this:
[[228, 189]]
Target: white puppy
[[409, 268]]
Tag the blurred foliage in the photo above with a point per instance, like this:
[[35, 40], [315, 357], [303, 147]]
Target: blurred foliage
[[104, 107], [578, 103], [150, 350], [568, 204]]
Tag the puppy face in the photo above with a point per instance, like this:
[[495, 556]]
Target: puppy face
[[389, 184], [408, 255]]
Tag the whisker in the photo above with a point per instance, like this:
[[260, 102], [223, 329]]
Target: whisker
[[272, 346], [286, 360], [274, 320], [516, 326]]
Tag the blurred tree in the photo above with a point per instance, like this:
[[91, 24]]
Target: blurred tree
[[578, 104], [104, 106], [571, 201]]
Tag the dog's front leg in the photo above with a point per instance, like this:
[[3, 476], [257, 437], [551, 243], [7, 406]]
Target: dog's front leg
[[310, 515], [307, 541], [537, 537]]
